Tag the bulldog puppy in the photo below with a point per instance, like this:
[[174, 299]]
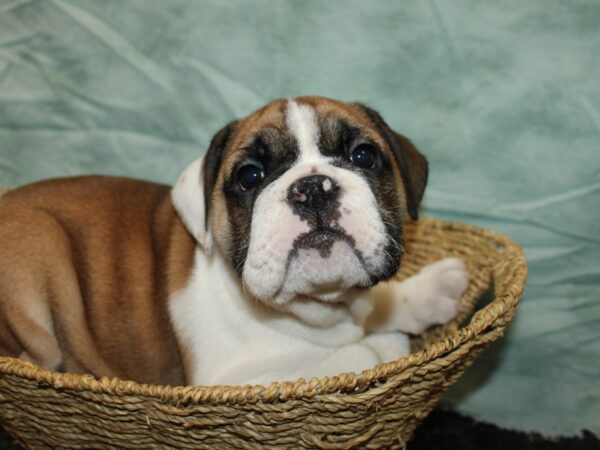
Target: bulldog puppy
[[267, 261]]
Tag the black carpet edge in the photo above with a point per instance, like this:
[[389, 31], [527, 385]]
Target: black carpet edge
[[448, 430]]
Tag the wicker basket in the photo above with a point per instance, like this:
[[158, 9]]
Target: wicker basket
[[378, 408]]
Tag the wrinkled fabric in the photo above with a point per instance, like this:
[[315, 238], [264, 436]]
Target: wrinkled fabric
[[502, 97]]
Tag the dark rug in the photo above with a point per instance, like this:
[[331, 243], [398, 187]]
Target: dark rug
[[448, 430]]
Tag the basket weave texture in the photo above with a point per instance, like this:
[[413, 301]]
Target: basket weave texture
[[378, 408]]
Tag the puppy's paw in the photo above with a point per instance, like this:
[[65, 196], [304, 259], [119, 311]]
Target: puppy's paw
[[436, 291]]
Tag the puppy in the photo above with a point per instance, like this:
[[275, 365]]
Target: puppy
[[267, 260]]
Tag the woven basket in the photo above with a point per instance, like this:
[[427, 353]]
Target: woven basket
[[378, 408]]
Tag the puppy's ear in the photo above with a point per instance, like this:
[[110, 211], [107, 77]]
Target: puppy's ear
[[192, 193], [413, 165], [188, 196]]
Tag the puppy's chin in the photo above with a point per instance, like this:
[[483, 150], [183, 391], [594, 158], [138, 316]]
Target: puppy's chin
[[316, 283], [323, 275]]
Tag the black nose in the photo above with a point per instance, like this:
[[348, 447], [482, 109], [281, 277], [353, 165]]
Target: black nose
[[314, 193]]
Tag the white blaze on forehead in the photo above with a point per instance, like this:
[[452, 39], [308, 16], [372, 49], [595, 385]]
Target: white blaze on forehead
[[302, 123]]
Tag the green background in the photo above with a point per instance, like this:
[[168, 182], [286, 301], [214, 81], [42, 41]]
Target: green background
[[503, 98]]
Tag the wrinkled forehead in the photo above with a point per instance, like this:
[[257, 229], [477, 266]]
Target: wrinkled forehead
[[298, 128]]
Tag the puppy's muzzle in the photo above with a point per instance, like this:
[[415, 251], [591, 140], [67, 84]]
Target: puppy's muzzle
[[314, 196]]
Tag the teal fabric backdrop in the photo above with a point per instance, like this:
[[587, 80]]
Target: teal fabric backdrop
[[503, 98]]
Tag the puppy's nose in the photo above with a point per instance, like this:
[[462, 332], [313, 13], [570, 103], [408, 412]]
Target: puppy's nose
[[314, 193]]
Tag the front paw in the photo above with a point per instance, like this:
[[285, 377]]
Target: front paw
[[437, 290]]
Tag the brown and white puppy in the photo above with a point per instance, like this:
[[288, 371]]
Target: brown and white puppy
[[266, 261]]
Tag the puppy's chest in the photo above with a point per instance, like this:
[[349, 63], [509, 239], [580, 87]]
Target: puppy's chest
[[229, 339]]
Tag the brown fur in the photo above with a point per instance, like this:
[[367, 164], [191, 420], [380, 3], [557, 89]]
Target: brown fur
[[86, 267], [269, 116]]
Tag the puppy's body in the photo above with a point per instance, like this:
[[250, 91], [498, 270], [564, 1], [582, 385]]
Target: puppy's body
[[255, 267], [86, 269]]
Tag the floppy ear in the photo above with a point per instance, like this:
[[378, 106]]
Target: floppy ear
[[192, 193], [413, 165], [189, 202]]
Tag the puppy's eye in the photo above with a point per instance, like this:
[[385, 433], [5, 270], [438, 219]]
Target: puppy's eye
[[364, 156], [250, 176]]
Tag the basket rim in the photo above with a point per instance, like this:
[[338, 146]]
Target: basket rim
[[503, 303]]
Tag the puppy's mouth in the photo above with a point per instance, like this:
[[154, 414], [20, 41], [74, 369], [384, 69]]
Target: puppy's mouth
[[322, 239]]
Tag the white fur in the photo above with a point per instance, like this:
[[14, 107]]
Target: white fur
[[234, 339], [302, 123], [189, 202]]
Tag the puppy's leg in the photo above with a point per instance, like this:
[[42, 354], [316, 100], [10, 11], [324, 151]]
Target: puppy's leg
[[347, 358], [28, 240], [389, 345], [27, 327], [427, 298]]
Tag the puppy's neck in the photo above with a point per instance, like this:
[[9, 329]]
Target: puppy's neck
[[353, 305]]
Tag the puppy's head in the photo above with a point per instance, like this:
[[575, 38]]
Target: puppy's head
[[306, 199]]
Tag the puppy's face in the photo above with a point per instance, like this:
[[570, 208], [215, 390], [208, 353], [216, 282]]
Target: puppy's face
[[305, 198]]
